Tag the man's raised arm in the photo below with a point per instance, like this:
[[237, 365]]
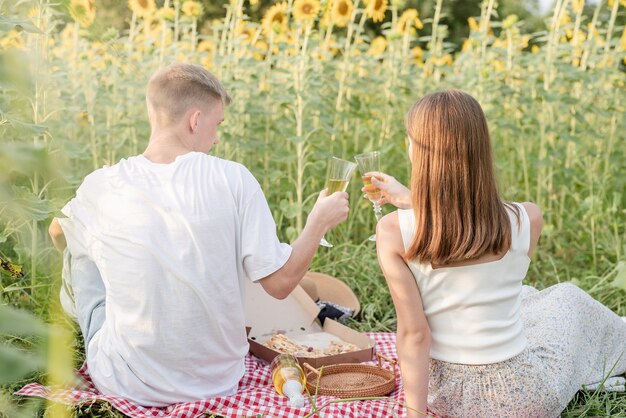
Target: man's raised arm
[[328, 212]]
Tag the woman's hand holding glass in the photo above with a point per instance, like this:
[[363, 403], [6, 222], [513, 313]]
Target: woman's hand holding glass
[[392, 191], [370, 161]]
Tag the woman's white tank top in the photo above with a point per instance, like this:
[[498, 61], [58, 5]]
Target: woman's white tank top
[[474, 311]]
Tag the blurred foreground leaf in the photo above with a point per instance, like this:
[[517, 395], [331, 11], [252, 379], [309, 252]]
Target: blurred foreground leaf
[[14, 322], [16, 363]]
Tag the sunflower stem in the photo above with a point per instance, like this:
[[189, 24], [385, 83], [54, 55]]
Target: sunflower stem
[[485, 20], [131, 34], [176, 20], [559, 9], [609, 31], [576, 33], [590, 37]]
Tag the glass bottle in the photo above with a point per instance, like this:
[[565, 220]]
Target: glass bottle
[[288, 378]]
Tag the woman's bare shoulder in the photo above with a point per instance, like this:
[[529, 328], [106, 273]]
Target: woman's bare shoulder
[[388, 232], [536, 224]]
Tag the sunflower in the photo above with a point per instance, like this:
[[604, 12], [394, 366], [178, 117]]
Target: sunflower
[[259, 50], [287, 43], [498, 65], [164, 40], [166, 13], [14, 39], [275, 19], [524, 41], [245, 32], [341, 12], [408, 21], [578, 5], [509, 22], [83, 12], [467, 45], [207, 48], [325, 19], [376, 9], [499, 43], [192, 8], [206, 45], [67, 35], [377, 46], [331, 46], [473, 25], [622, 2], [306, 10], [142, 8], [418, 54]]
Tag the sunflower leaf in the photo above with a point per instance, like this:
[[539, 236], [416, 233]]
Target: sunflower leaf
[[6, 24]]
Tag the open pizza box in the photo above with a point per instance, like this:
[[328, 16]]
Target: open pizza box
[[296, 317]]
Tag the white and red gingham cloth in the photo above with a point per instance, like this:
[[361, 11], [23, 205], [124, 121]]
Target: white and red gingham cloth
[[255, 397]]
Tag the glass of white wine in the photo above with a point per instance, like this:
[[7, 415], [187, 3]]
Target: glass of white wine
[[369, 162], [337, 179]]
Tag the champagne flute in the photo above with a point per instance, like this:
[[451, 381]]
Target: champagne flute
[[369, 162], [337, 179]]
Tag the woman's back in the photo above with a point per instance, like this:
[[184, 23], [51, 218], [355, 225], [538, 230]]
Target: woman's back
[[474, 310]]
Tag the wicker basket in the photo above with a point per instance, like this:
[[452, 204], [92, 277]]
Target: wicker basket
[[351, 380]]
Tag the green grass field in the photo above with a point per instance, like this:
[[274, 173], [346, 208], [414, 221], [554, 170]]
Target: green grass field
[[304, 90]]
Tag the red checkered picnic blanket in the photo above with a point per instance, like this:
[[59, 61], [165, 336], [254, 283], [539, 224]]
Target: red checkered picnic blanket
[[256, 395]]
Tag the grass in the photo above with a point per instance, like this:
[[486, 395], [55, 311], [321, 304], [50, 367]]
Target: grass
[[356, 264]]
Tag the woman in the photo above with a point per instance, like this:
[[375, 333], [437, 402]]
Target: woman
[[472, 341]]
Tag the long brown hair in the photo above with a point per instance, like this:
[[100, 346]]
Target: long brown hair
[[459, 214]]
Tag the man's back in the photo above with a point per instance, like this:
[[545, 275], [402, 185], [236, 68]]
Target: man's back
[[173, 243]]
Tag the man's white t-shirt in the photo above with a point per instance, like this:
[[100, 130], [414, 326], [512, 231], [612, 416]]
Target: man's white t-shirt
[[173, 243]]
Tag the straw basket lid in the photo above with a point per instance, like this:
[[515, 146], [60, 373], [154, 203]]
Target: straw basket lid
[[324, 287], [351, 380]]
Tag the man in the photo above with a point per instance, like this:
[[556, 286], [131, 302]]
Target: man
[[159, 245]]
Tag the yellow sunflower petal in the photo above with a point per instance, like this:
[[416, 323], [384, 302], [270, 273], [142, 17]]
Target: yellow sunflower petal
[[341, 12], [142, 8], [578, 5], [408, 21], [166, 13], [472, 24], [377, 46], [245, 32], [275, 19], [83, 12], [305, 10], [376, 9], [192, 8]]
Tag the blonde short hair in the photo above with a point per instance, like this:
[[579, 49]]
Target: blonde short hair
[[174, 89]]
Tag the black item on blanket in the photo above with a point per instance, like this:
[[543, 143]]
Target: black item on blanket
[[333, 311]]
